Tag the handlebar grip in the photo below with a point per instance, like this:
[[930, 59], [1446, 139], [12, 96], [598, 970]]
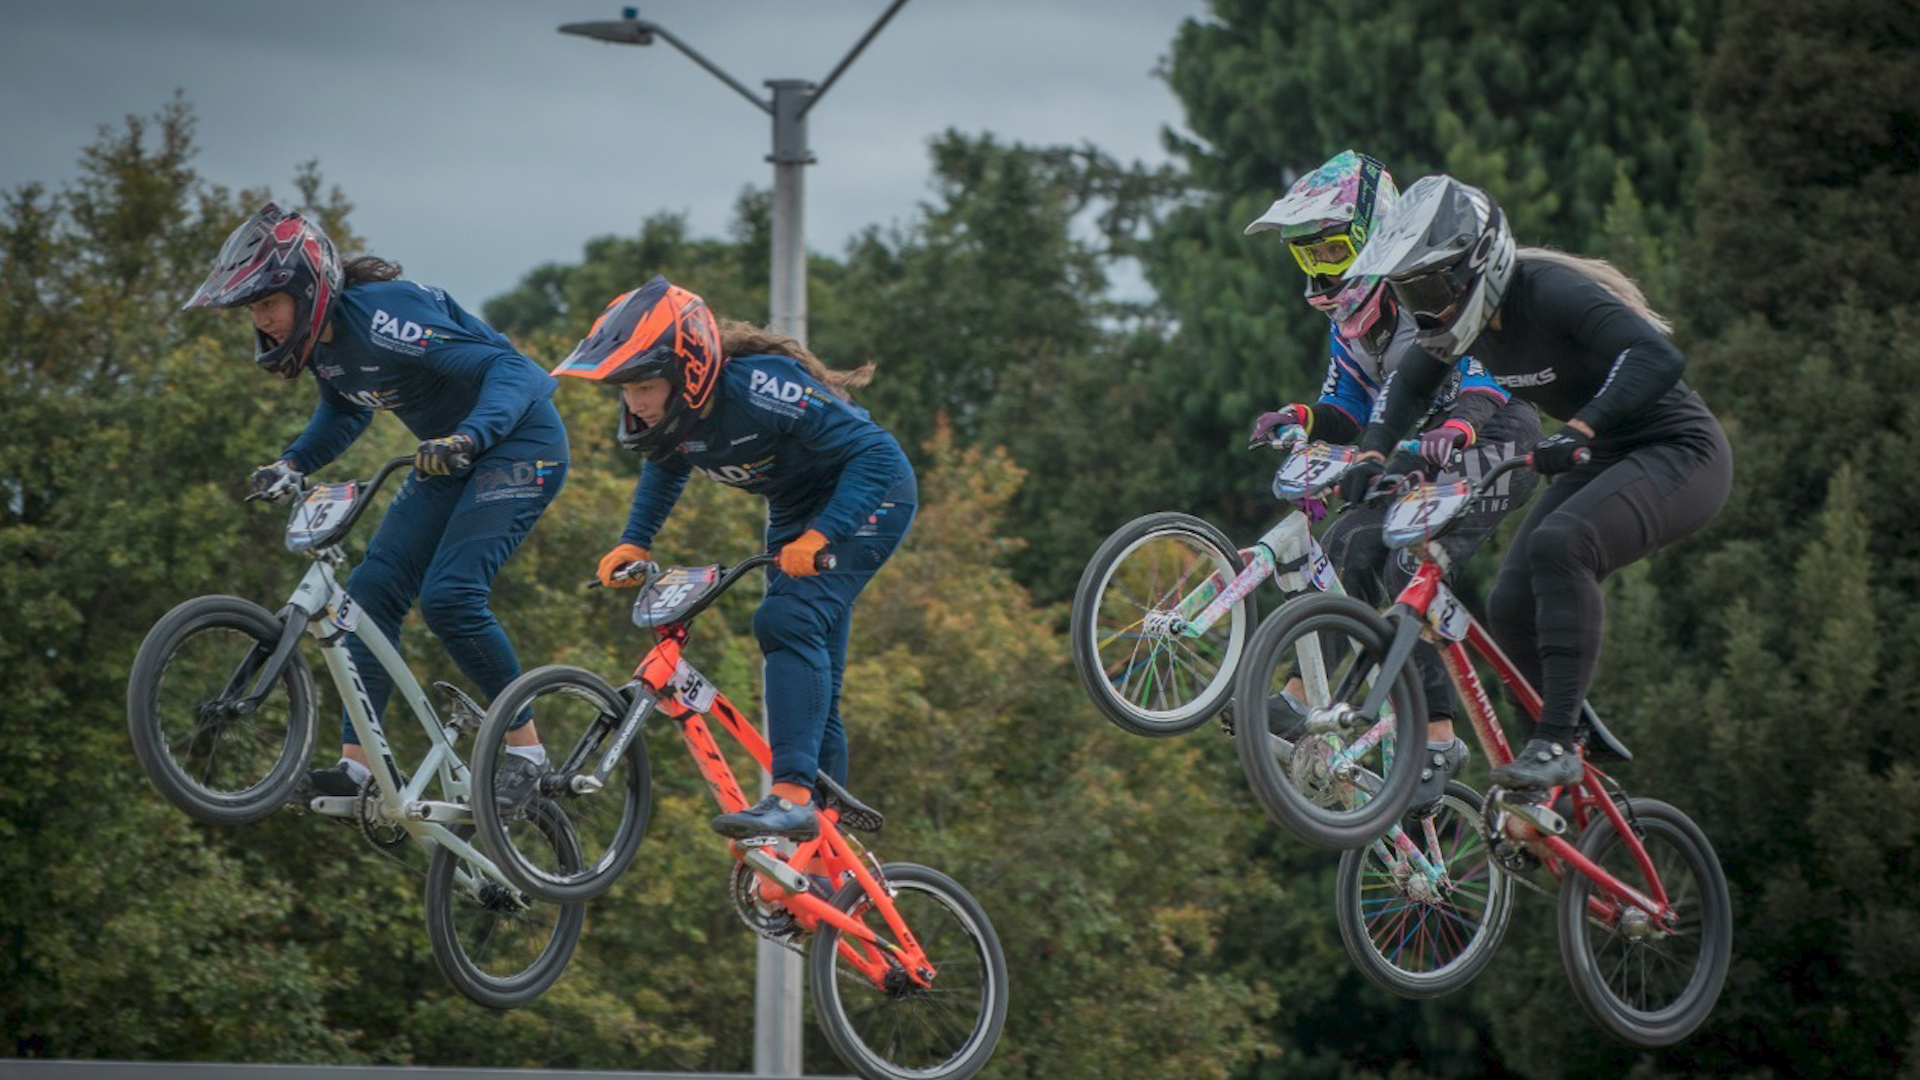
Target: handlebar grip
[[824, 561], [1582, 455]]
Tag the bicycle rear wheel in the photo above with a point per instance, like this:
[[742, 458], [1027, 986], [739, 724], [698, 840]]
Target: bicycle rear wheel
[[577, 713], [1410, 934], [895, 1029], [1643, 983], [1138, 662], [498, 945], [184, 712], [1337, 787]]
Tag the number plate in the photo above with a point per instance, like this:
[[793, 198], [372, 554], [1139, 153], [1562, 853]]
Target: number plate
[[1447, 615], [1422, 511], [1311, 469], [315, 516], [692, 688], [669, 596]]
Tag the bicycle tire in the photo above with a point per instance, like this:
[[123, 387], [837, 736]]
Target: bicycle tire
[[1131, 575], [477, 926], [947, 1032], [1611, 972], [1320, 808], [575, 709], [220, 769], [1418, 944]]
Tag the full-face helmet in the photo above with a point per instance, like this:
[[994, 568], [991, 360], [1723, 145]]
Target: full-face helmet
[[1326, 218], [275, 251], [1448, 255], [657, 331]]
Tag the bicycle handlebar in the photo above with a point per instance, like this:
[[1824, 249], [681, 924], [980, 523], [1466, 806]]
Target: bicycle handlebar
[[640, 571]]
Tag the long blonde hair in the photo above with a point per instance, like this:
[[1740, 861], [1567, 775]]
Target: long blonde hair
[[745, 339], [1608, 277]]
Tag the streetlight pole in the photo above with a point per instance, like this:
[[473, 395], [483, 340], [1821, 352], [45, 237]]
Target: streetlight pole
[[776, 991]]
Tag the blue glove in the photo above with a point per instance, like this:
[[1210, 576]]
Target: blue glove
[[1359, 478], [1561, 451]]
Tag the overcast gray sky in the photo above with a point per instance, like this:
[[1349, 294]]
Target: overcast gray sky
[[477, 142]]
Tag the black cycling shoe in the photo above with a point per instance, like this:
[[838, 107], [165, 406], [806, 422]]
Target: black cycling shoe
[[771, 816], [1540, 764], [1286, 717], [516, 781], [1438, 767], [335, 782]]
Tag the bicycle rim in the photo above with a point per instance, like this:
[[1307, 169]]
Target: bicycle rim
[[895, 1029], [197, 663], [497, 944], [1648, 985], [1413, 935], [576, 712], [1336, 788], [1142, 666]]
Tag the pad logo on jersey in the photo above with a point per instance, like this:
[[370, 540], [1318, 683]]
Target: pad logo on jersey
[[740, 475], [1528, 378], [777, 389], [400, 335]]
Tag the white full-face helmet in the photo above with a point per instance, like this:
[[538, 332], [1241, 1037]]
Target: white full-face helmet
[[1447, 255]]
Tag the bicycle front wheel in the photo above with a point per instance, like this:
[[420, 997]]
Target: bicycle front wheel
[[1646, 983], [218, 759], [498, 945], [1136, 653], [577, 714], [1330, 784], [893, 1028], [1421, 932]]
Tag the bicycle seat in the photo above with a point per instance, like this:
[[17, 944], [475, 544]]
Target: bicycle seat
[[854, 814], [1601, 743], [673, 593]]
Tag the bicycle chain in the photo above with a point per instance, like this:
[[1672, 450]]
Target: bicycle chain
[[743, 887]]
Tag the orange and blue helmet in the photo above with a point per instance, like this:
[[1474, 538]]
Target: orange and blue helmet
[[657, 331], [277, 251]]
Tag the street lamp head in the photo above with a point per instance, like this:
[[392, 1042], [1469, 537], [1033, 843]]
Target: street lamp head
[[630, 29]]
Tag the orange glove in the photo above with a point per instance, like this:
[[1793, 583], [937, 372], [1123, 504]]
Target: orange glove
[[617, 558], [796, 559]]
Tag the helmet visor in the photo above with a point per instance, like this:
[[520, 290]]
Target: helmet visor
[[1432, 297], [1329, 255]]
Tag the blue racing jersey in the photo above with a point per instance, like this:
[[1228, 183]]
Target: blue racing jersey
[[774, 430], [413, 351], [1355, 377]]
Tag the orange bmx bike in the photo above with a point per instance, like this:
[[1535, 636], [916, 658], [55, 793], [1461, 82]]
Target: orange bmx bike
[[907, 975]]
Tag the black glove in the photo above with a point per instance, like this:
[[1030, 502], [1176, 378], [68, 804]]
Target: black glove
[[444, 456], [1358, 478], [273, 482], [1561, 451]]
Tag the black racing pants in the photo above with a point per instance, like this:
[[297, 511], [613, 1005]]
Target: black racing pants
[[1546, 608]]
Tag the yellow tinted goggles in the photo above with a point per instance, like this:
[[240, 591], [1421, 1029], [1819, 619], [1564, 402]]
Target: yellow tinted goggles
[[1323, 255]]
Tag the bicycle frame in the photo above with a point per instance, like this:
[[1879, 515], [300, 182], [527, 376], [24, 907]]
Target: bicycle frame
[[664, 680], [1458, 636], [321, 606]]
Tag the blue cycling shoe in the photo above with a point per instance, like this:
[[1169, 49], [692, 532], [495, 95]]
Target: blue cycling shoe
[[771, 816]]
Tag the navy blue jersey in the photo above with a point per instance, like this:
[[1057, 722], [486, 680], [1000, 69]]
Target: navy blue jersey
[[777, 431], [411, 350]]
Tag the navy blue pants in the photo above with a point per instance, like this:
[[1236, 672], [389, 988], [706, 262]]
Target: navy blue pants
[[802, 626], [442, 541]]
